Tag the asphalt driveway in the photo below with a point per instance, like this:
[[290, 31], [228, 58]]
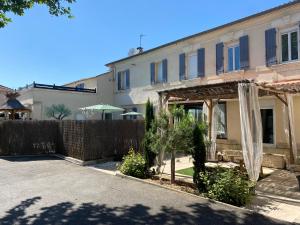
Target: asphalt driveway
[[53, 191]]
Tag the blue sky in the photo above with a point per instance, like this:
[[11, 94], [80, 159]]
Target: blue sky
[[46, 49]]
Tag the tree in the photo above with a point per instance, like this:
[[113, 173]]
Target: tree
[[58, 112], [18, 7], [149, 119], [199, 155], [174, 133]]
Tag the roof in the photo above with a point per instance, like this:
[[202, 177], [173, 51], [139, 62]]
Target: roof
[[4, 89], [13, 104], [87, 78], [290, 86], [288, 4]]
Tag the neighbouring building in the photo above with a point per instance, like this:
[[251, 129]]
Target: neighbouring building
[[75, 95], [3, 91], [263, 47]]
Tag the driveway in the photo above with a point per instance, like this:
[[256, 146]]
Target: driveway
[[52, 191]]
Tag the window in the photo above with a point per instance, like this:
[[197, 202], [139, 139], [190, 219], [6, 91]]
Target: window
[[233, 58], [267, 119], [192, 66], [222, 121], [81, 85], [159, 72], [123, 80], [289, 46]]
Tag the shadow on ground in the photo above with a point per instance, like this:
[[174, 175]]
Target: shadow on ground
[[29, 158], [90, 213]]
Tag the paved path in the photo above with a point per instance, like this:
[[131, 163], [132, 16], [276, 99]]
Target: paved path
[[53, 191]]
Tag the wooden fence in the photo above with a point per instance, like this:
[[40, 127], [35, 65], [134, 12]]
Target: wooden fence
[[85, 140]]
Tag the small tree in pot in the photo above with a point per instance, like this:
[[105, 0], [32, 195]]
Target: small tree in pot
[[174, 133]]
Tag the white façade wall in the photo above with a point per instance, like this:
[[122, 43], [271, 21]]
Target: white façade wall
[[38, 99], [139, 66]]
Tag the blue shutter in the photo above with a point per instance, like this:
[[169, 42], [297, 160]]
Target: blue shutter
[[182, 66], [244, 52], [219, 58], [127, 74], [201, 62], [165, 70], [152, 73], [270, 42], [119, 80]]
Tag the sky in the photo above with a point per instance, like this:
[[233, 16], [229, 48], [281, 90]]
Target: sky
[[57, 50]]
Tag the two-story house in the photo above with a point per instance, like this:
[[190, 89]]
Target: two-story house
[[263, 47]]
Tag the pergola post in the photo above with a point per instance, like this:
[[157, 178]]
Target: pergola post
[[210, 115], [285, 103]]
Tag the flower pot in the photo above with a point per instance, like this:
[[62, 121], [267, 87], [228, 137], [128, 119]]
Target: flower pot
[[298, 178]]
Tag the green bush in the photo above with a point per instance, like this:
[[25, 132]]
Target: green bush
[[134, 165], [227, 186], [199, 156]]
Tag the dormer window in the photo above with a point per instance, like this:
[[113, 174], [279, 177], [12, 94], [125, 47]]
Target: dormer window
[[289, 46]]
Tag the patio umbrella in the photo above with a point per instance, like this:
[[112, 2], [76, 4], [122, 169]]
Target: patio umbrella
[[131, 114], [102, 108]]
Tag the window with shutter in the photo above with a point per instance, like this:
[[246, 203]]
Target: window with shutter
[[244, 52], [182, 66], [220, 58], [159, 72], [233, 58], [201, 62], [192, 69], [270, 44], [290, 45], [124, 80]]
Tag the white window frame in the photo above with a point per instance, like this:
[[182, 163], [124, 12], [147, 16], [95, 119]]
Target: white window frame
[[274, 126], [123, 80], [188, 69], [157, 80], [289, 31], [233, 46]]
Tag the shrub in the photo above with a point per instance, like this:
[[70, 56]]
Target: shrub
[[134, 165], [227, 186], [149, 119], [199, 156]]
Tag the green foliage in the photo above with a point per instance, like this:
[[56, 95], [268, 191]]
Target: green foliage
[[149, 119], [18, 7], [134, 165], [229, 186], [58, 112], [173, 138], [199, 156]]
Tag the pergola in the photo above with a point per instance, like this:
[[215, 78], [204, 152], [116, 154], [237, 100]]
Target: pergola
[[12, 105], [209, 94]]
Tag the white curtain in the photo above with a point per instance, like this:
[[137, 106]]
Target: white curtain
[[251, 129], [289, 122], [214, 131]]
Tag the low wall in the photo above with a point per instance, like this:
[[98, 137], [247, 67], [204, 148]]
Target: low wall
[[84, 140]]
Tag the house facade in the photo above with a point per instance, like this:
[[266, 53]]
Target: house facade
[[263, 47], [75, 95]]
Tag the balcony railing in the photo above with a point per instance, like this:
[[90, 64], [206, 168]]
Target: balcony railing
[[63, 88]]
